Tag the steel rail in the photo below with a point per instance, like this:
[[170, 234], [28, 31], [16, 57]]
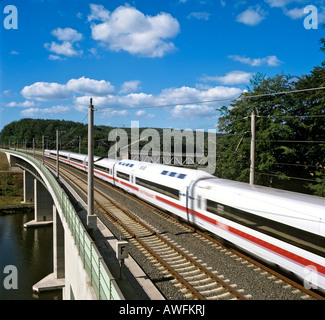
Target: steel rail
[[215, 241], [175, 274]]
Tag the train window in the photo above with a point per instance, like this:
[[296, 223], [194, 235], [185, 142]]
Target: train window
[[102, 168], [76, 160], [122, 175], [215, 207], [164, 172], [297, 237], [172, 174], [170, 192], [131, 165], [181, 176]]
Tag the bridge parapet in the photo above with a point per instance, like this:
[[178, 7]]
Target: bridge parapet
[[101, 280]]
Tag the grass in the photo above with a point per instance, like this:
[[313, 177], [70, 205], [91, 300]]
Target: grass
[[11, 184]]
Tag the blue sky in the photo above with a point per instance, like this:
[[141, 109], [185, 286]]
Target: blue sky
[[132, 57]]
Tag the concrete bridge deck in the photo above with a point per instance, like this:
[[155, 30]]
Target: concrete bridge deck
[[84, 266]]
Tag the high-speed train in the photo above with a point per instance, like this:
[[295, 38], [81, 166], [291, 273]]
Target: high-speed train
[[282, 227]]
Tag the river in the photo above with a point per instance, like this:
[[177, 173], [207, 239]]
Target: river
[[30, 251]]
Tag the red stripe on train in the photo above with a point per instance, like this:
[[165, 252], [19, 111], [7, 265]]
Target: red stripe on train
[[266, 245]]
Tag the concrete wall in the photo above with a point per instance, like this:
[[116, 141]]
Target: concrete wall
[[77, 282]]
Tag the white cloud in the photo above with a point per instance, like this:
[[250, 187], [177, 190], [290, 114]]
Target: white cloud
[[25, 104], [271, 61], [191, 112], [168, 97], [90, 87], [54, 57], [231, 78], [119, 113], [67, 34], [187, 94], [199, 15], [98, 12], [142, 113], [109, 113], [295, 13], [251, 16], [180, 102], [35, 112], [66, 48], [45, 91], [130, 30], [130, 86]]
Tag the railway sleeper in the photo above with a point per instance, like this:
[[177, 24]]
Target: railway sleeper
[[212, 291], [197, 277], [185, 265], [175, 258], [194, 271], [220, 296], [207, 286], [162, 249], [182, 269], [202, 282]]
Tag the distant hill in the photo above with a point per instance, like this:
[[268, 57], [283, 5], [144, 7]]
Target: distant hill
[[23, 131]]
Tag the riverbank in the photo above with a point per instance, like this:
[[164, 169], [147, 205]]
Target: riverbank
[[11, 184], [16, 208]]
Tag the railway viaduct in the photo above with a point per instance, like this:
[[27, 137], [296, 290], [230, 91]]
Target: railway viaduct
[[84, 266]]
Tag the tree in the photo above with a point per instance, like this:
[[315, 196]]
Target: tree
[[235, 158], [310, 127], [286, 132]]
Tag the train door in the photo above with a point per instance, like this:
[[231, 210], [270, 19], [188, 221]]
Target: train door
[[189, 203], [194, 200], [114, 173]]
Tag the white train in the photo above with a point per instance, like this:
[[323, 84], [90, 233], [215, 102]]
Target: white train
[[284, 228]]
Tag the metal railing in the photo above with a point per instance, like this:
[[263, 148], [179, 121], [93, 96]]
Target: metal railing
[[100, 277]]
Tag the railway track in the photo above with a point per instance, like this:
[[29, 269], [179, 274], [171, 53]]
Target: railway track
[[194, 279]]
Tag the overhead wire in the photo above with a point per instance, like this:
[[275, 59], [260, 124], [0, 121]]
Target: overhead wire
[[244, 97], [220, 100]]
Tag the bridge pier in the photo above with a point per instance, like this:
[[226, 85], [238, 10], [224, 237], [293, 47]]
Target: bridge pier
[[58, 245], [56, 279], [43, 212], [28, 187]]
